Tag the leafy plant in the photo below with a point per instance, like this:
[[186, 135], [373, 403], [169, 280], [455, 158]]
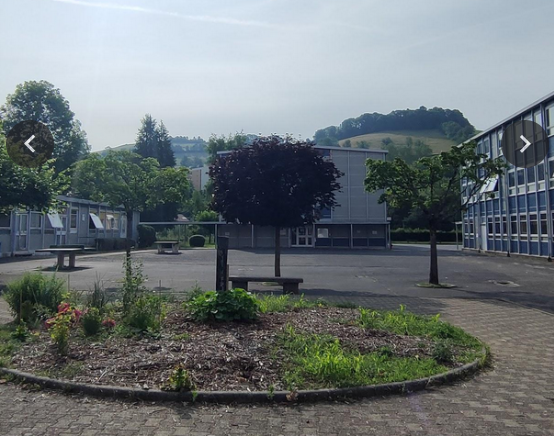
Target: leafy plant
[[180, 380], [146, 313], [21, 333], [91, 321], [284, 303], [29, 296], [59, 326], [233, 305]]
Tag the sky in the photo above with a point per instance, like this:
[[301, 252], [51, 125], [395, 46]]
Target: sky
[[276, 66]]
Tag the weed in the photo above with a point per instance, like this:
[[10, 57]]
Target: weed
[[98, 297], [181, 337], [442, 352], [21, 333], [271, 393], [146, 313], [284, 303], [133, 283], [180, 380]]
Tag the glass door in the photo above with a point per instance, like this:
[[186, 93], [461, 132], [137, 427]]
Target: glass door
[[21, 232], [303, 236]]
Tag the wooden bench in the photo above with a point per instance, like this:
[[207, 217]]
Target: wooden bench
[[290, 285], [163, 245], [62, 251]]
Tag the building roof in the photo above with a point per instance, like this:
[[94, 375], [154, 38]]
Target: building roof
[[83, 201], [517, 114]]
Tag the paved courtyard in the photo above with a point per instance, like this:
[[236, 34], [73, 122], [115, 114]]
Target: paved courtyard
[[515, 397]]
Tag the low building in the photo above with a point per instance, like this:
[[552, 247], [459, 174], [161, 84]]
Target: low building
[[76, 221], [520, 217], [199, 177], [359, 221]]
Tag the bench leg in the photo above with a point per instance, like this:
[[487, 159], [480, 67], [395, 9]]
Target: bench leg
[[72, 260], [290, 288], [61, 260], [175, 249], [240, 285]]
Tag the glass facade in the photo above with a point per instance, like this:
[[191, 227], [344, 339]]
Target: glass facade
[[520, 217]]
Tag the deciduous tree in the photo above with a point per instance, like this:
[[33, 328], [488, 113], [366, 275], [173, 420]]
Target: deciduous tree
[[432, 185], [41, 101], [273, 182]]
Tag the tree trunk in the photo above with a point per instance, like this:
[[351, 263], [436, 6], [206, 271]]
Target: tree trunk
[[434, 267], [128, 239], [277, 251]]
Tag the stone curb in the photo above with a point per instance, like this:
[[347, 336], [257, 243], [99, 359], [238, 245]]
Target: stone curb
[[246, 396]]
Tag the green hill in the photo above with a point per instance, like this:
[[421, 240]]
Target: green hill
[[193, 151], [435, 139]]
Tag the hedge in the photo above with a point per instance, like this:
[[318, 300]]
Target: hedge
[[147, 236], [421, 235]]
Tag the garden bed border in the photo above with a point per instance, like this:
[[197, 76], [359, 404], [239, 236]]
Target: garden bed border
[[228, 397]]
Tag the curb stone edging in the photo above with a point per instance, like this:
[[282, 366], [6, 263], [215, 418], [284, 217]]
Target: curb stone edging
[[228, 397]]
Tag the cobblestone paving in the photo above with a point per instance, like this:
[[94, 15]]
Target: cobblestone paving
[[514, 398]]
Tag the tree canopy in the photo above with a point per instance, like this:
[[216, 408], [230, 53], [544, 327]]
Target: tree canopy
[[223, 143], [273, 182], [26, 187], [41, 101], [125, 178], [450, 122], [153, 141], [432, 186]]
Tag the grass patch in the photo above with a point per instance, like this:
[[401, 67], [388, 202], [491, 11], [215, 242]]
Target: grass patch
[[406, 323], [319, 361], [285, 303]]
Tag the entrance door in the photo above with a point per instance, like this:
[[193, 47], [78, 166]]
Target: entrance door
[[483, 237], [21, 232], [302, 236]]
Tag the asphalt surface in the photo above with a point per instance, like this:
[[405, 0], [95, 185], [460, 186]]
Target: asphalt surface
[[326, 273]]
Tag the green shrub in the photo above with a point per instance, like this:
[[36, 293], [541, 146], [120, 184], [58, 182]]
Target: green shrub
[[91, 321], [207, 215], [197, 241], [232, 305], [37, 293], [147, 236], [442, 353], [146, 313]]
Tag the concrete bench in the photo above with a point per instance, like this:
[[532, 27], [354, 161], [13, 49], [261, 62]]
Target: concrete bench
[[61, 251], [166, 245], [290, 285]]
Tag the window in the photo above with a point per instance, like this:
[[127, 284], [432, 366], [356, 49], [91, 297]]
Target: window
[[533, 224], [520, 177], [94, 222], [513, 226], [325, 213], [544, 225], [490, 226], [73, 221], [551, 170], [504, 226], [471, 228], [497, 225], [322, 232], [523, 226], [36, 220], [537, 118], [5, 221], [550, 120], [531, 175]]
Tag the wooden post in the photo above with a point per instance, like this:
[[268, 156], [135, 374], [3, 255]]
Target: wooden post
[[221, 283]]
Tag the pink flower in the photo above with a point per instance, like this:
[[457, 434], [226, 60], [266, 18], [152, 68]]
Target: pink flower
[[77, 314], [108, 323], [64, 307]]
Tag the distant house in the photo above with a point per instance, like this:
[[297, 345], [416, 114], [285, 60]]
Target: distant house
[[76, 221], [199, 177], [358, 222]]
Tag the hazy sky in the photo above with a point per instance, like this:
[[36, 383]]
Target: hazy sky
[[276, 66]]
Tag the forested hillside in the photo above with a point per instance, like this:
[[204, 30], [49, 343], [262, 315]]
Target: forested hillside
[[448, 122]]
